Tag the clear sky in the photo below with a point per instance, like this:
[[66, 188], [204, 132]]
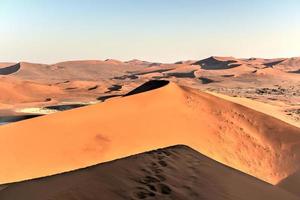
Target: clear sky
[[49, 31]]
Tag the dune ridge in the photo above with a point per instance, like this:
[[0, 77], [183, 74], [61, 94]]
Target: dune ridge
[[177, 172]]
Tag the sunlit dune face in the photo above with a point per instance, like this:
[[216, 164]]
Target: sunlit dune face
[[232, 134]]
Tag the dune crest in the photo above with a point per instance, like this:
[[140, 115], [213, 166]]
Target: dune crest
[[232, 134], [176, 172]]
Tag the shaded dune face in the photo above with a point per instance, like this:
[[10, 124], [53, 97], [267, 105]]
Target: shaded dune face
[[272, 63], [206, 80], [150, 85], [291, 183], [177, 172], [232, 134], [10, 69], [213, 63], [8, 119]]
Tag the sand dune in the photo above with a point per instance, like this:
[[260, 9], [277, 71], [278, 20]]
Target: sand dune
[[176, 172], [14, 90], [186, 62], [237, 136], [89, 70], [289, 64], [276, 72], [235, 71], [215, 62], [18, 93], [138, 62], [182, 71], [258, 137]]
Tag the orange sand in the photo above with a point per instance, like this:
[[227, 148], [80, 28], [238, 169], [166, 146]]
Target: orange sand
[[237, 136]]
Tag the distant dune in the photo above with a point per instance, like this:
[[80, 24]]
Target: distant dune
[[14, 90], [73, 70], [244, 139], [176, 173], [86, 81], [289, 64]]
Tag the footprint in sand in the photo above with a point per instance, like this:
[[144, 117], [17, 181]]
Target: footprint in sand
[[153, 185]]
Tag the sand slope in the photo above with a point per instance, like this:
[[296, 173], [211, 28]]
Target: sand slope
[[289, 64], [14, 90], [176, 172], [268, 109], [237, 136]]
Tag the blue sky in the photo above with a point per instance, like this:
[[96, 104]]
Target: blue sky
[[156, 30]]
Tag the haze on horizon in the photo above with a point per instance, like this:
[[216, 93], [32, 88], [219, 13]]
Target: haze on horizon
[[49, 31]]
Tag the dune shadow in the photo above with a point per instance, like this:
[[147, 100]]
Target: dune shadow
[[153, 71], [10, 119], [228, 75], [190, 74], [271, 64], [10, 69], [206, 80], [93, 88], [214, 64], [114, 88], [291, 183], [124, 77], [103, 98], [65, 107], [295, 72], [150, 85]]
